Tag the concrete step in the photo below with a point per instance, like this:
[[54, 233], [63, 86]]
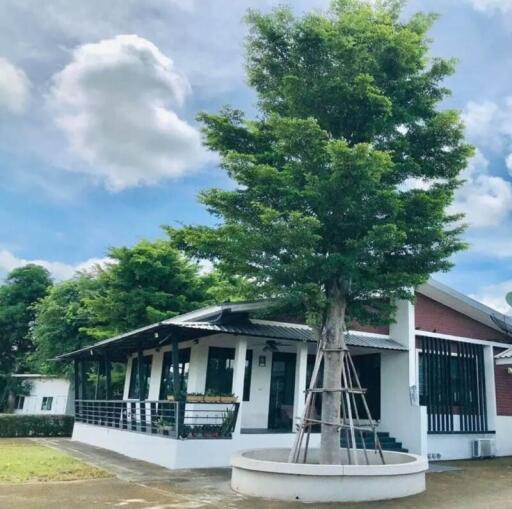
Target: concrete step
[[387, 442]]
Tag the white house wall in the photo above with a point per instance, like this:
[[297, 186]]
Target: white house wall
[[180, 454], [57, 388], [504, 435]]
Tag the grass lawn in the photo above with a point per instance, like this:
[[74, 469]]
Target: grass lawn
[[24, 461]]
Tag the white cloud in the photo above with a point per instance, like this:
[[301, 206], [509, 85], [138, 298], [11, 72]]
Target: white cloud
[[504, 6], [59, 270], [14, 88], [485, 200], [489, 126], [115, 102], [494, 296]]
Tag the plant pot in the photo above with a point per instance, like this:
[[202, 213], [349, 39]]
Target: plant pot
[[195, 399], [212, 399], [228, 399]]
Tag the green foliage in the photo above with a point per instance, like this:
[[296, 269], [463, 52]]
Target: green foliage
[[220, 288], [10, 387], [147, 283], [62, 318], [23, 288], [349, 113], [19, 425]]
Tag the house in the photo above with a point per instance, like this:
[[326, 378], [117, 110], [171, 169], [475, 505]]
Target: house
[[46, 395], [432, 383]]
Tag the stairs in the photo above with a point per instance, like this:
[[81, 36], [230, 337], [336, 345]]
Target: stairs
[[387, 442]]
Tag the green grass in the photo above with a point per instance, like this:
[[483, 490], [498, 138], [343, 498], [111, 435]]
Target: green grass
[[27, 461]]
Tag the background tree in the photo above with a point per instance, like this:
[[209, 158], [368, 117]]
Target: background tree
[[62, 319], [324, 212], [148, 282], [22, 289]]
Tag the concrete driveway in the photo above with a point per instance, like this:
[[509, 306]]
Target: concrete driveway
[[139, 485]]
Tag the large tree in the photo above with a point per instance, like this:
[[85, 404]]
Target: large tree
[[324, 211], [23, 288]]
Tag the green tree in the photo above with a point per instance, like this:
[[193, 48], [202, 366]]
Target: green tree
[[324, 213], [22, 289], [62, 319], [148, 282]]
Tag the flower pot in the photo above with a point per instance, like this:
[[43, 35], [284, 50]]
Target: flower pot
[[228, 399]]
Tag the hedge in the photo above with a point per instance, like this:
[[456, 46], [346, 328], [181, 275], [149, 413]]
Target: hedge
[[19, 425]]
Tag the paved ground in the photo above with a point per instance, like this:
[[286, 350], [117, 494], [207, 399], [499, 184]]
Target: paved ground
[[139, 485]]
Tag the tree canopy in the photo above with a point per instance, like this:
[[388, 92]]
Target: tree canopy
[[349, 115], [23, 288], [148, 282], [62, 320]]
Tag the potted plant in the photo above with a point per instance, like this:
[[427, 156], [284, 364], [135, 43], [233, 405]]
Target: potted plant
[[195, 397], [212, 397], [228, 398]]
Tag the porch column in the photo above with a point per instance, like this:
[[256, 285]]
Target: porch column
[[300, 381], [490, 387], [237, 387], [156, 375]]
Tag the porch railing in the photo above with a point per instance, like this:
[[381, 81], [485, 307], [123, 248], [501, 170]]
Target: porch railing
[[167, 418]]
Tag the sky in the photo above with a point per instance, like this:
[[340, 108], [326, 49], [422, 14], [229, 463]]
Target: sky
[[99, 145]]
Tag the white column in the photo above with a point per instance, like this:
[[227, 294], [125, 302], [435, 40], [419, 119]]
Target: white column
[[128, 375], [198, 367], [237, 387], [300, 381], [403, 331], [156, 375], [490, 387]]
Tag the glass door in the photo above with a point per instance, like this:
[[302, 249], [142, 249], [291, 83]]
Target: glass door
[[282, 390]]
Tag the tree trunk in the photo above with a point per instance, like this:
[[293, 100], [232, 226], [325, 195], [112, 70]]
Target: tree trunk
[[333, 335]]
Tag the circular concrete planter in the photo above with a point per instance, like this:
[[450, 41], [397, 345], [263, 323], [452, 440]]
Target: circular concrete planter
[[266, 473]]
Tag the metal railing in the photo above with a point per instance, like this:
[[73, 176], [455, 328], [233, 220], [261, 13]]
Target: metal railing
[[167, 418]]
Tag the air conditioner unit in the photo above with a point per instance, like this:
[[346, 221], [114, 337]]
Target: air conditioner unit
[[484, 448]]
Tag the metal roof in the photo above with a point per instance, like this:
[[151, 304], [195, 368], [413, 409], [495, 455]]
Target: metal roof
[[165, 332], [507, 354], [280, 330]]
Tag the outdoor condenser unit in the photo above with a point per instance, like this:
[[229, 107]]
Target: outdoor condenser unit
[[484, 448]]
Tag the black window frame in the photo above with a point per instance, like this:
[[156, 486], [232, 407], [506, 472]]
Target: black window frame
[[167, 378], [213, 381], [17, 405], [47, 403], [133, 390]]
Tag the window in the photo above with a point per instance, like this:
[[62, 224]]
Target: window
[[219, 373], [20, 402], [461, 384], [167, 382], [47, 403], [134, 392]]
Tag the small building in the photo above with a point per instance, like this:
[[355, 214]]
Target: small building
[[432, 385], [46, 395]]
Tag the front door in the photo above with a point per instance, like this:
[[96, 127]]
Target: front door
[[368, 370], [282, 389]]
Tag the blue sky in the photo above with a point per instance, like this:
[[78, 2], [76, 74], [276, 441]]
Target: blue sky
[[99, 146]]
